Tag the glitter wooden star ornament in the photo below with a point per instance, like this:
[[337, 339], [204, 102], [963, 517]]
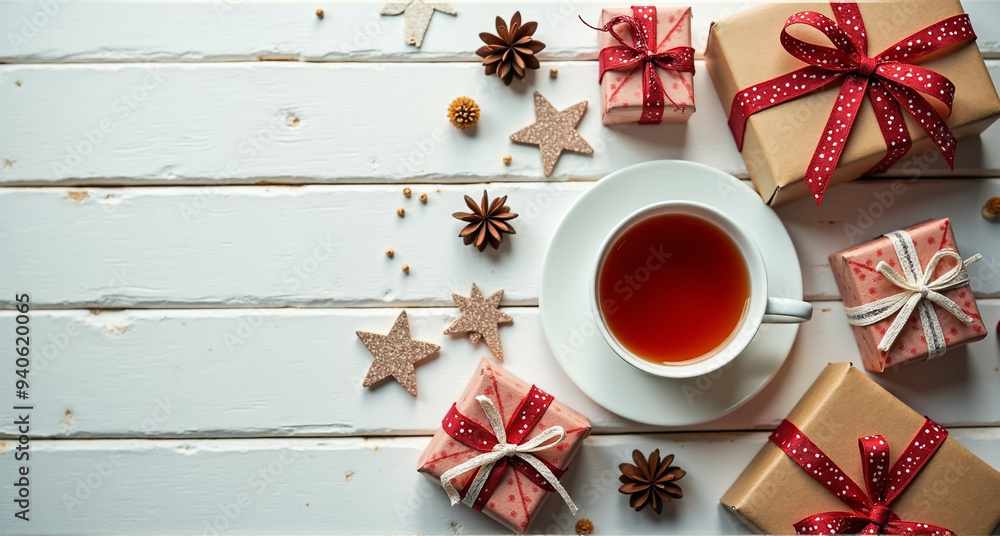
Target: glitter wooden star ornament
[[395, 354], [418, 17], [481, 319], [554, 132]]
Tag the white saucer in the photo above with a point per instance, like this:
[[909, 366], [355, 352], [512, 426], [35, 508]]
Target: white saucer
[[572, 332]]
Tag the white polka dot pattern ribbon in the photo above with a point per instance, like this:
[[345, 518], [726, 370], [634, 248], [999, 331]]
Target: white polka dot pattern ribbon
[[889, 78], [870, 514], [642, 54], [918, 292], [546, 439]]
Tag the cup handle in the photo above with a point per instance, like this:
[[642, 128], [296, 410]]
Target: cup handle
[[786, 311]]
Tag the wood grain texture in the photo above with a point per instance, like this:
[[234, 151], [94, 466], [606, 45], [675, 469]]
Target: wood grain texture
[[360, 486], [226, 398], [278, 372], [324, 246], [293, 122], [241, 30]]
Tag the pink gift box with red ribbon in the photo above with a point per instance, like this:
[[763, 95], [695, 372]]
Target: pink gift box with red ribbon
[[513, 488], [928, 328], [661, 67]]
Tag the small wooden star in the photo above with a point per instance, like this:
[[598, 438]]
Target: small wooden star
[[480, 319], [418, 17], [395, 354], [554, 132]]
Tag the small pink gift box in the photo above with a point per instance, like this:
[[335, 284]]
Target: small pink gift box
[[899, 313], [626, 66], [513, 488]]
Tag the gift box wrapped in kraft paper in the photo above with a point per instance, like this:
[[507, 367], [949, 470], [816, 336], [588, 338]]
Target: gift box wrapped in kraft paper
[[646, 65], [851, 458], [818, 96], [881, 281], [503, 446]]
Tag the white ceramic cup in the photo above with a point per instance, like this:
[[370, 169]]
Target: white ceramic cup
[[760, 309]]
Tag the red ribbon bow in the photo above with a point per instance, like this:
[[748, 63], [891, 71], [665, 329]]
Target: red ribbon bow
[[889, 78], [642, 54], [872, 514], [474, 436]]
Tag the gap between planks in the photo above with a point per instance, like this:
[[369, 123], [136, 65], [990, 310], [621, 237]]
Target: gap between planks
[[221, 437], [78, 184]]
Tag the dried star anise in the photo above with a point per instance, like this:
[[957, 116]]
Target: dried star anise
[[511, 52], [650, 482], [486, 223]]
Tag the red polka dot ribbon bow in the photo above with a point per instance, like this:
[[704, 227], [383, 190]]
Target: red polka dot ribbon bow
[[871, 514], [642, 54], [889, 79], [505, 444]]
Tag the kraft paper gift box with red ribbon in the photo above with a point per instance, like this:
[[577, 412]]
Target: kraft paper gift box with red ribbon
[[908, 295], [503, 446], [851, 458], [818, 95], [646, 65]]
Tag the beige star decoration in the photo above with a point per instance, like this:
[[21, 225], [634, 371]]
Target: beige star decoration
[[554, 132], [480, 319], [418, 17], [395, 354]]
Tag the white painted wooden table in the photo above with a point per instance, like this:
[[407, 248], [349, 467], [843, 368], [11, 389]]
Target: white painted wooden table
[[197, 196]]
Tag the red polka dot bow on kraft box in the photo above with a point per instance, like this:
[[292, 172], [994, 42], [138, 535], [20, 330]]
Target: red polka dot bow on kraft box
[[908, 295], [503, 446], [854, 88], [646, 65], [871, 513], [853, 459]]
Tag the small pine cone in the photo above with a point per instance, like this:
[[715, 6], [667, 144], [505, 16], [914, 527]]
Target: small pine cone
[[463, 113]]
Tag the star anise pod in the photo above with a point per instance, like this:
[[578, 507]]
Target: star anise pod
[[650, 482], [511, 52], [486, 223]]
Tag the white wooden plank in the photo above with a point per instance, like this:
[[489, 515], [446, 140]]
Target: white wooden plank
[[357, 486], [238, 30], [857, 212], [225, 373], [323, 245], [284, 122]]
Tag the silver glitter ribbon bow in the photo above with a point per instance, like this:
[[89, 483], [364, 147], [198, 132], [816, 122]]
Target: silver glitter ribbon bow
[[919, 291], [485, 461]]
